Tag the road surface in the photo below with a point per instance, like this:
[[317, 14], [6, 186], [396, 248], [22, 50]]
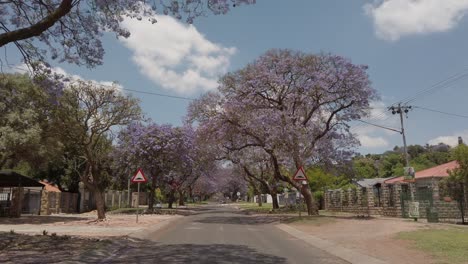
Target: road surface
[[221, 234]]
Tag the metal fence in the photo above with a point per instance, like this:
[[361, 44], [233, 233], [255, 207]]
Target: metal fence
[[5, 201], [31, 202]]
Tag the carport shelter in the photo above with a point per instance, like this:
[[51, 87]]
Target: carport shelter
[[11, 192], [14, 179]]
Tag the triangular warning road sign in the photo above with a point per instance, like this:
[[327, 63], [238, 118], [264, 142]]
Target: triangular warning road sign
[[300, 175], [139, 177]]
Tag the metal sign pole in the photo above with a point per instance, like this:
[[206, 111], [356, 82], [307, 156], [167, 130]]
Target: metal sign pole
[[138, 202]]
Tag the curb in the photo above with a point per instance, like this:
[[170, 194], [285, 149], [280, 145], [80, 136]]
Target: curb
[[346, 254]]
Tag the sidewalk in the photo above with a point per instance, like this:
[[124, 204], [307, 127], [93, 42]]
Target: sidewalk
[[83, 225], [346, 254], [358, 239]]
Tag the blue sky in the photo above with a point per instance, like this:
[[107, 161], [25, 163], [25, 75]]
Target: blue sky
[[408, 45]]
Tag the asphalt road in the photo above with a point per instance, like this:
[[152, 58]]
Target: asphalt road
[[220, 234]]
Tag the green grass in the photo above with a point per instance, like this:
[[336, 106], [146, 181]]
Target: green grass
[[447, 245], [247, 206], [310, 220]]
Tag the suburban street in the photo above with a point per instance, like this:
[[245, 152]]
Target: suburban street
[[221, 234]]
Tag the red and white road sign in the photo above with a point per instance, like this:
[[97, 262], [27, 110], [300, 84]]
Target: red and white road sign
[[139, 177], [300, 175]]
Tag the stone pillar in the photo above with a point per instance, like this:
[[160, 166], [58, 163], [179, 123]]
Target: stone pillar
[[326, 200], [44, 203], [385, 199], [16, 202], [350, 198], [342, 198], [359, 196], [370, 196], [397, 197]]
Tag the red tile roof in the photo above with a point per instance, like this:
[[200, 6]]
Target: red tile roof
[[437, 171], [394, 180], [49, 187]]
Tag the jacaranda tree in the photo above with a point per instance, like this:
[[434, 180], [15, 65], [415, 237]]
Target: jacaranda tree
[[291, 105], [71, 30]]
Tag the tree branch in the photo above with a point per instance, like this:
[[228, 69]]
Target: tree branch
[[37, 29]]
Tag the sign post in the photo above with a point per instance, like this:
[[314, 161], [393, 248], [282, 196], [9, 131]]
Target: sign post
[[301, 177], [139, 177]]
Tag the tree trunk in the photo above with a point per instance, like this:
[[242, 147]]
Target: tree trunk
[[181, 198], [170, 199], [151, 198], [309, 200], [100, 204], [274, 197], [259, 199]]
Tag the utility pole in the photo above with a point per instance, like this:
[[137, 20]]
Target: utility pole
[[399, 110]]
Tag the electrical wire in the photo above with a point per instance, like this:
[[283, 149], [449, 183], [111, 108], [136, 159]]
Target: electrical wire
[[441, 112], [159, 94]]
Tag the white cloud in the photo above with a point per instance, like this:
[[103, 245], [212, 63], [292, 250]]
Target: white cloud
[[450, 140], [372, 136], [70, 78], [372, 142], [175, 55], [394, 19]]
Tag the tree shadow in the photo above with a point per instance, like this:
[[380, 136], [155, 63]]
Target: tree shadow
[[59, 249], [246, 220], [186, 253], [40, 219]]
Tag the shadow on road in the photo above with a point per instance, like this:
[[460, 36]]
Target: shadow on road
[[187, 253], [247, 220], [17, 248], [37, 219]]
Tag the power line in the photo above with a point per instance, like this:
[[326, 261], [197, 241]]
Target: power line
[[159, 94], [439, 85], [384, 127], [441, 112]]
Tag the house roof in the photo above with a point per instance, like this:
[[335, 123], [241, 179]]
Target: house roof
[[439, 171], [370, 182], [14, 179], [50, 187]]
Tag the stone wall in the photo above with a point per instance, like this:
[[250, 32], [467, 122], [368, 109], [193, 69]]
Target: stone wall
[[384, 200], [387, 201], [58, 202]]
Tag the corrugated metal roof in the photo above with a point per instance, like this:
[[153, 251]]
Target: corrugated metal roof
[[14, 179], [370, 182]]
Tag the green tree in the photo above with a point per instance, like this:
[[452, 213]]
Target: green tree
[[365, 168], [88, 113], [22, 115], [455, 185]]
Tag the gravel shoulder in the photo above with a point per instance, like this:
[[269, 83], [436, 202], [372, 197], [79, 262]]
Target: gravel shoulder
[[82, 224], [376, 237]]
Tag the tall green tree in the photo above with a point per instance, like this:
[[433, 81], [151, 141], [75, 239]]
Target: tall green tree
[[455, 185], [88, 113], [24, 122]]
